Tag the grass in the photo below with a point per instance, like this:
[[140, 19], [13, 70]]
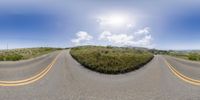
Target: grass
[[193, 55], [25, 53], [111, 60], [188, 56]]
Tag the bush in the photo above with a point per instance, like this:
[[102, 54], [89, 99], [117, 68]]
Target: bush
[[19, 54], [13, 57], [1, 58], [194, 56], [110, 60]]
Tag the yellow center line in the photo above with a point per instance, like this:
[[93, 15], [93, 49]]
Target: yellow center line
[[31, 79], [181, 76]]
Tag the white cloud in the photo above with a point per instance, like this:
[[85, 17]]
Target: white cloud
[[146, 30], [130, 25], [140, 38], [81, 37], [121, 39]]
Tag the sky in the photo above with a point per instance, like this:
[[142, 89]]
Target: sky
[[160, 24]]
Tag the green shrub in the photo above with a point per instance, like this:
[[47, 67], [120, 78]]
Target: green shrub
[[13, 57], [110, 60], [194, 56], [26, 53], [1, 58]]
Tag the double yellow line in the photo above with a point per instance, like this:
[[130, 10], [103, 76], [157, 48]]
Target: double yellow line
[[31, 79], [181, 76]]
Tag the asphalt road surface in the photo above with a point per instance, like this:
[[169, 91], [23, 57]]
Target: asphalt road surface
[[57, 76]]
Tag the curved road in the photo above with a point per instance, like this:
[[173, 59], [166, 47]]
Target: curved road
[[65, 79]]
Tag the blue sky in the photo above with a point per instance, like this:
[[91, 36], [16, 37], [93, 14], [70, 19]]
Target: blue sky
[[172, 24]]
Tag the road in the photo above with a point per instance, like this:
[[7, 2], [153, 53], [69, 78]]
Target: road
[[62, 78]]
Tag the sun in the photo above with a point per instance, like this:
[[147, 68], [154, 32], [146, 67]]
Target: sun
[[113, 20], [117, 20]]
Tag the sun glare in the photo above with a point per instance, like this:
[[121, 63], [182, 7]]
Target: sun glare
[[114, 20], [117, 20]]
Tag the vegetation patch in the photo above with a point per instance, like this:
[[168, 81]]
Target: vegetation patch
[[25, 53], [111, 60], [194, 56]]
